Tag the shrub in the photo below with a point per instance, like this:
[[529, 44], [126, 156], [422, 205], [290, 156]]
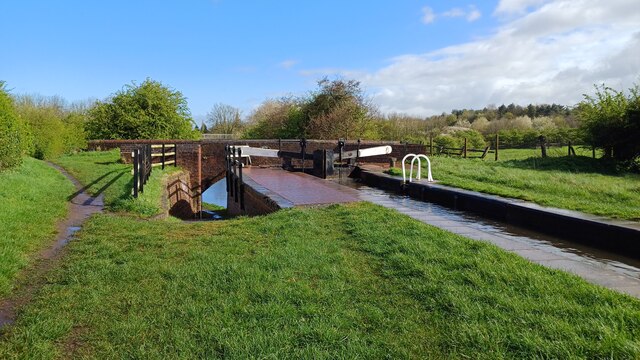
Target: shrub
[[13, 133], [611, 121], [150, 110], [454, 137], [54, 130]]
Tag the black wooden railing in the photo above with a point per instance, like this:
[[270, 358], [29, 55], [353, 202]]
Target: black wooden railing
[[233, 165], [145, 157]]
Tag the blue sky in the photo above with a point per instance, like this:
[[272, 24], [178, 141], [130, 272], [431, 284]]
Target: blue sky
[[417, 57]]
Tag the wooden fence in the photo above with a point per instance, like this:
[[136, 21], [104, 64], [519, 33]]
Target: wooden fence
[[145, 157], [465, 150]]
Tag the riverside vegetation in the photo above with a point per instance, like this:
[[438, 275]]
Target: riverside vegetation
[[342, 281]]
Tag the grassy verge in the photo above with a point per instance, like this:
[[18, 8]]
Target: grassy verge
[[101, 172], [356, 281], [34, 198], [576, 183]]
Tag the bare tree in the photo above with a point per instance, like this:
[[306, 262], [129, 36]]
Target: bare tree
[[224, 119]]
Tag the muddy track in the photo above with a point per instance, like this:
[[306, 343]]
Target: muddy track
[[81, 207]]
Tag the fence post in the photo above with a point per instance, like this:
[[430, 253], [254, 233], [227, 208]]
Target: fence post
[[543, 145], [163, 156], [235, 175], [147, 169], [241, 186], [303, 149], [358, 151], [136, 174], [141, 167], [593, 151], [430, 144], [465, 148], [497, 145]]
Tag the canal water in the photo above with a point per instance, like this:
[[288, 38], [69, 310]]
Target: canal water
[[216, 194], [602, 259]]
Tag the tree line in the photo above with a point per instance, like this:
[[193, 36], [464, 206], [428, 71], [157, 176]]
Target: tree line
[[47, 127]]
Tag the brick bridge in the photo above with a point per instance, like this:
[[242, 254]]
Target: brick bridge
[[204, 159]]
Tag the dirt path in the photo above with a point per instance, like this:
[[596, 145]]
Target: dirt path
[[81, 207]]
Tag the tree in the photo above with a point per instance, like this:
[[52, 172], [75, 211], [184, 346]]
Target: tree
[[338, 109], [224, 119], [277, 119], [13, 133], [150, 110], [610, 120]]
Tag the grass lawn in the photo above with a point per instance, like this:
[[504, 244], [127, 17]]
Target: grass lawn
[[103, 173], [354, 281], [577, 183], [34, 198]]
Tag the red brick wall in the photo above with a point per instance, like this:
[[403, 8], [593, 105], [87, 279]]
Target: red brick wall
[[212, 157], [181, 200]]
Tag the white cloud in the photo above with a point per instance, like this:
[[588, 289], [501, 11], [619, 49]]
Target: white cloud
[[473, 14], [554, 53], [288, 64], [428, 16], [470, 14], [455, 12], [517, 7]]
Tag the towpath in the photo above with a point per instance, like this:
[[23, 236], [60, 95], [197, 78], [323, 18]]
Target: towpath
[[81, 207]]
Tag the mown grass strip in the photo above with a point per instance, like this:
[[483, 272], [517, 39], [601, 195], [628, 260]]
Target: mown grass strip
[[33, 199], [102, 172], [576, 183], [355, 281]]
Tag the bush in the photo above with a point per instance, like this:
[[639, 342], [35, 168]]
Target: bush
[[454, 138], [13, 133], [150, 110], [611, 121], [55, 130]]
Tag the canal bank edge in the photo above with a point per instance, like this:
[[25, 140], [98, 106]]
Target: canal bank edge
[[614, 235]]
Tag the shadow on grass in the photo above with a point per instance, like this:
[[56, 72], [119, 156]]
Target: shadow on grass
[[97, 180], [574, 164]]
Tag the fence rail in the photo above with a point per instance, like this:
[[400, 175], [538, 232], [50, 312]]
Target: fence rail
[[145, 157]]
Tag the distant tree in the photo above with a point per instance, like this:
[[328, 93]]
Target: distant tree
[[13, 133], [150, 110], [224, 119]]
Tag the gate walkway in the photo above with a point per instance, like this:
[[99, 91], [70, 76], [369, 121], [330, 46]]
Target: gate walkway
[[301, 189]]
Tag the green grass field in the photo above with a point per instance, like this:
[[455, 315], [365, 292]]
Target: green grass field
[[103, 173], [356, 281], [576, 183], [33, 197]]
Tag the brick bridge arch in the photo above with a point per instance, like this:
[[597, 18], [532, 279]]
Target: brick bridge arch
[[204, 159]]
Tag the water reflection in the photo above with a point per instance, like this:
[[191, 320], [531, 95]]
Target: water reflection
[[216, 194]]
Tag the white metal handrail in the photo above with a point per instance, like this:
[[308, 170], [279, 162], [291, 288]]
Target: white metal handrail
[[418, 174]]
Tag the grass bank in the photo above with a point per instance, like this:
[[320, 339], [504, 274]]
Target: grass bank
[[33, 199], [356, 281], [102, 172], [576, 183]]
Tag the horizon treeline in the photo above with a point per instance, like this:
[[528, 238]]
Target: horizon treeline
[[47, 127]]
